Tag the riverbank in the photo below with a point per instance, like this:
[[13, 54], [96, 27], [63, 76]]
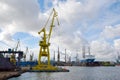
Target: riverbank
[[4, 75], [9, 74]]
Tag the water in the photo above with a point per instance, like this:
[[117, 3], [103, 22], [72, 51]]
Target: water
[[76, 73]]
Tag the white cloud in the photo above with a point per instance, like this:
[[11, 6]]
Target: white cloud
[[23, 13], [117, 44], [101, 47], [111, 32], [18, 16], [102, 50]]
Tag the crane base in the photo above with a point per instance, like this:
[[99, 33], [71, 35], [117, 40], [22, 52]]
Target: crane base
[[47, 68]]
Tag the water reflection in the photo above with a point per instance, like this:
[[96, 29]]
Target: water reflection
[[76, 73]]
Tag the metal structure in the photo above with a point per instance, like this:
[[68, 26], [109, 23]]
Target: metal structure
[[58, 56], [31, 57], [88, 58], [45, 43], [24, 55], [83, 51], [54, 56], [20, 54], [66, 56], [18, 45], [13, 56]]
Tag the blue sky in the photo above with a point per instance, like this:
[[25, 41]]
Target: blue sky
[[94, 23]]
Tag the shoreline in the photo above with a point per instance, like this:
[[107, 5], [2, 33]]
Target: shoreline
[[9, 74], [4, 75]]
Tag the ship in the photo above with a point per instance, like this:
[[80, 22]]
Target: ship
[[6, 62], [89, 58]]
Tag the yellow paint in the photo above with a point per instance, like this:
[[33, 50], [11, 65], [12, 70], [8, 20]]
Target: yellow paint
[[12, 58], [44, 45]]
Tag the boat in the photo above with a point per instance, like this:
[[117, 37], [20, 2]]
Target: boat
[[89, 58]]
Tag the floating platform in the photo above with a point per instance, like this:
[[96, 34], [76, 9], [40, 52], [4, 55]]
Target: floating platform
[[47, 68], [62, 70]]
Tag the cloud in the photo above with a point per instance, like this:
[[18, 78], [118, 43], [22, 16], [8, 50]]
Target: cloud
[[102, 50], [23, 14], [111, 32], [18, 16], [117, 44], [101, 47]]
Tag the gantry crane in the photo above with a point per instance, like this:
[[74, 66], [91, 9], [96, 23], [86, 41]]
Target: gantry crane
[[45, 43]]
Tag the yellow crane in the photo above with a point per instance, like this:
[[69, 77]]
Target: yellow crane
[[13, 57], [45, 43]]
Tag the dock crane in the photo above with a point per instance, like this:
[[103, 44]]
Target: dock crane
[[24, 55], [45, 43], [18, 45], [12, 57], [31, 57]]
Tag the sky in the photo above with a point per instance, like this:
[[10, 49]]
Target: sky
[[89, 23]]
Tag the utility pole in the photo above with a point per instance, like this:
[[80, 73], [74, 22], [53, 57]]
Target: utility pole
[[65, 55]]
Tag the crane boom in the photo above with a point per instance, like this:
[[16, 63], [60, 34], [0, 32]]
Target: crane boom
[[52, 23], [18, 44]]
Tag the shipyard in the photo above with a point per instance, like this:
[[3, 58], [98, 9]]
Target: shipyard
[[59, 40]]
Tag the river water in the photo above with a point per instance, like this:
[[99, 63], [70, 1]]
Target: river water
[[76, 73]]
